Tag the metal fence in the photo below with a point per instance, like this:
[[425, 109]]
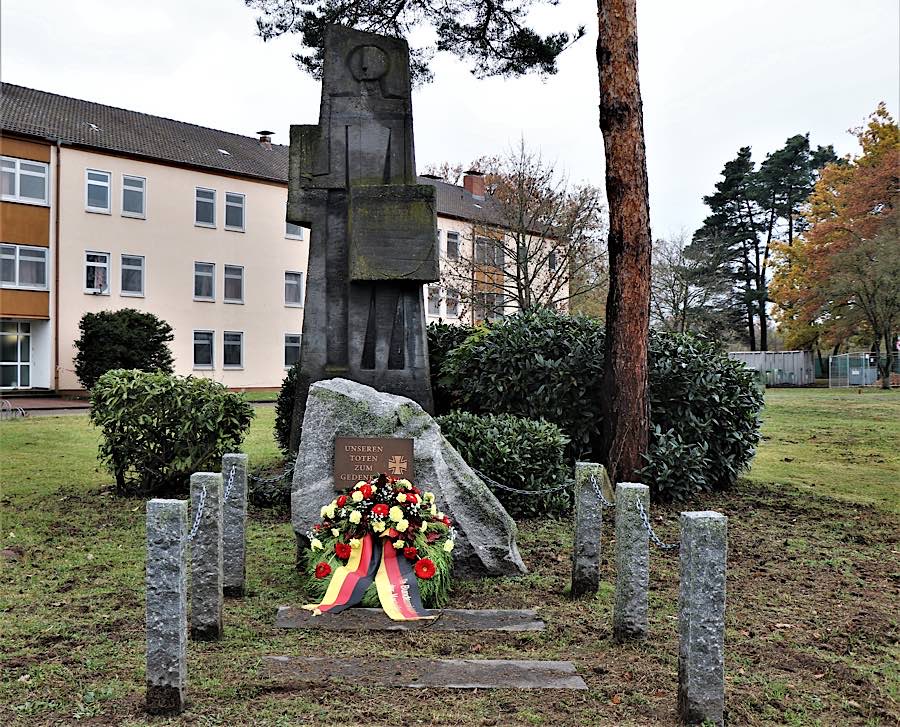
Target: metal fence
[[861, 369], [779, 368]]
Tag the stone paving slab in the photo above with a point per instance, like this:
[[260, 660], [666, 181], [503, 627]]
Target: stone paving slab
[[375, 619], [428, 673]]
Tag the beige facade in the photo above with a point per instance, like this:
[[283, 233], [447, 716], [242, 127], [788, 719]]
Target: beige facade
[[170, 242]]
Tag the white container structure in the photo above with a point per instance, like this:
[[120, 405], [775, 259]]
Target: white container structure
[[779, 368]]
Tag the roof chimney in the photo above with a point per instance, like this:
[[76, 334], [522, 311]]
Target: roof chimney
[[265, 138], [473, 181]]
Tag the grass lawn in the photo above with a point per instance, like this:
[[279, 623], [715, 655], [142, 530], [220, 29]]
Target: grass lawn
[[812, 624]]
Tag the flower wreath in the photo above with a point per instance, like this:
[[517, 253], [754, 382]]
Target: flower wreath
[[383, 542]]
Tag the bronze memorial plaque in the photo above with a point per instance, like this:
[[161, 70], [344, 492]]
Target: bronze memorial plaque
[[358, 458]]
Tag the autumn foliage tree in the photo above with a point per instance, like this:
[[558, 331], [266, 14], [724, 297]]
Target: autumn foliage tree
[[843, 273]]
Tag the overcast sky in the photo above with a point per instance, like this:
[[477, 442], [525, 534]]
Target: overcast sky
[[715, 75]]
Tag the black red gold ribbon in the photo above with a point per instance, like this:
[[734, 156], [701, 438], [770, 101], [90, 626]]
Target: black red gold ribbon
[[393, 575]]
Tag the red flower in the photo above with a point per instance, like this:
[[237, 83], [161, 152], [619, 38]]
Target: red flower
[[366, 491], [342, 550], [322, 570], [410, 552], [446, 521], [425, 568], [380, 509], [411, 498], [342, 500]]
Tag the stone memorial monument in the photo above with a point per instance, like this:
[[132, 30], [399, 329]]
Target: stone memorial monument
[[373, 243]]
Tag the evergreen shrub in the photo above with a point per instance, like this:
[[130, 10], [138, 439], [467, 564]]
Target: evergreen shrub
[[443, 338], [294, 382], [540, 364], [522, 453], [157, 429], [121, 339]]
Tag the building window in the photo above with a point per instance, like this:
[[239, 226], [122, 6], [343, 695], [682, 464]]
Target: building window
[[489, 253], [233, 350], [203, 349], [15, 355], [293, 289], [133, 275], [234, 284], [292, 231], [551, 262], [453, 246], [133, 189], [291, 349], [488, 306], [204, 281], [452, 302], [96, 191], [23, 267], [23, 181], [434, 300], [204, 207], [234, 211], [96, 273]]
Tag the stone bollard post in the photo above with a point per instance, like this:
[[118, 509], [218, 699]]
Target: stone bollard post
[[588, 522], [632, 563], [234, 521], [206, 557], [166, 606], [701, 618]]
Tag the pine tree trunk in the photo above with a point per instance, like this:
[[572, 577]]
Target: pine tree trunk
[[625, 403]]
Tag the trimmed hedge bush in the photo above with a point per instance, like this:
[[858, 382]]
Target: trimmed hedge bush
[[704, 407], [122, 339], [293, 383], [443, 338], [517, 452], [157, 429]]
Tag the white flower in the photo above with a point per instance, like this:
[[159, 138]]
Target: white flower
[[355, 517], [398, 544], [402, 526], [448, 545], [424, 526], [355, 543], [401, 497], [395, 514], [360, 484], [335, 532], [316, 544], [357, 496]]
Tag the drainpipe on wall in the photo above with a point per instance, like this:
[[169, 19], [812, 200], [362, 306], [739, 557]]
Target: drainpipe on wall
[[56, 207]]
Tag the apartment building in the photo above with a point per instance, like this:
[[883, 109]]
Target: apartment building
[[104, 208]]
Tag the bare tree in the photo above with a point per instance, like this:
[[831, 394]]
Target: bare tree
[[537, 236], [687, 288]]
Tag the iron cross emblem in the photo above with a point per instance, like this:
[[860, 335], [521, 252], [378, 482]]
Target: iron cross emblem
[[397, 465]]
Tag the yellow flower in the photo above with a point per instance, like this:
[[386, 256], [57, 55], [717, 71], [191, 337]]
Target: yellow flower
[[402, 526], [357, 496], [316, 544], [404, 483], [355, 517], [328, 511], [440, 516], [429, 497], [395, 514], [424, 526], [401, 497], [335, 532], [448, 545], [323, 510], [433, 509], [399, 544], [356, 542], [374, 489], [378, 526]]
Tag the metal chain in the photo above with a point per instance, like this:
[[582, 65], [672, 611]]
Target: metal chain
[[289, 470], [545, 491], [653, 536], [200, 504], [230, 484], [599, 492]]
